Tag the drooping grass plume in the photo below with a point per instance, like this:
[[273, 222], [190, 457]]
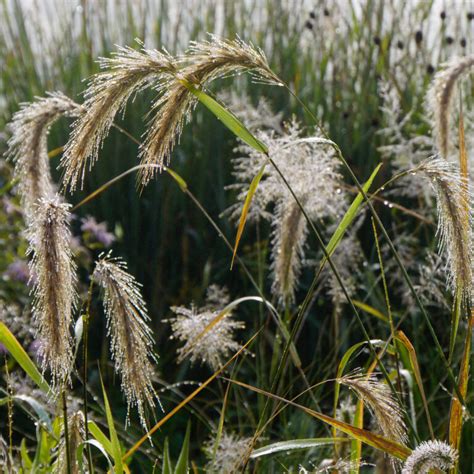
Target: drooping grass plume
[[216, 344], [27, 147], [54, 285], [440, 98], [312, 171], [127, 72], [379, 400], [429, 455], [230, 455], [205, 62], [77, 435], [131, 341], [454, 222]]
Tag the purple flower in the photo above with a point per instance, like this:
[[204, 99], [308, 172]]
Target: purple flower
[[18, 271], [97, 230], [3, 349]]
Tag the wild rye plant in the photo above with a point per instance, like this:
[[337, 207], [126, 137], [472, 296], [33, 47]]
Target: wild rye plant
[[384, 398]]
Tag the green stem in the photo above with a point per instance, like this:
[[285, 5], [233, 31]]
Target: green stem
[[66, 433], [84, 374], [406, 277]]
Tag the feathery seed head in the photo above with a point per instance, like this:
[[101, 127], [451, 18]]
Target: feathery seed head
[[430, 455], [131, 339], [378, 398], [231, 453], [454, 222], [216, 344], [27, 147], [127, 72], [312, 171], [77, 435], [440, 98], [205, 62], [54, 286]]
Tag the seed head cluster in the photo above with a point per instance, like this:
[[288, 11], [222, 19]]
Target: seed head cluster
[[429, 455], [54, 285], [27, 147], [215, 344], [131, 340]]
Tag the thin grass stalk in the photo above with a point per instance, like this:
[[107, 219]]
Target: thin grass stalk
[[186, 190], [387, 302], [85, 342], [284, 358], [406, 277], [66, 432]]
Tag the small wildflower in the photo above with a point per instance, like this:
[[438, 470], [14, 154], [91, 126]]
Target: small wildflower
[[98, 231], [430, 455], [18, 270]]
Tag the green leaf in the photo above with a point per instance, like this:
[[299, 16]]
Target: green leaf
[[96, 444], [349, 216], [100, 436], [377, 441], [227, 118], [25, 457], [182, 464], [294, 444], [116, 448], [22, 358], [245, 209], [167, 466], [371, 310]]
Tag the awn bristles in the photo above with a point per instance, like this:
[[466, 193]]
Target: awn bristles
[[54, 286], [28, 149], [378, 398], [310, 167], [126, 73], [430, 455], [440, 98], [289, 235], [77, 435], [230, 455], [454, 222], [130, 71], [205, 62], [131, 342], [213, 346]]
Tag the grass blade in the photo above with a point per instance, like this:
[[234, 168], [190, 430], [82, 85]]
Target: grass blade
[[371, 310], [227, 118], [115, 443], [245, 209], [22, 358], [401, 337], [188, 399], [293, 444], [350, 215], [456, 412], [396, 450], [183, 460], [167, 467]]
